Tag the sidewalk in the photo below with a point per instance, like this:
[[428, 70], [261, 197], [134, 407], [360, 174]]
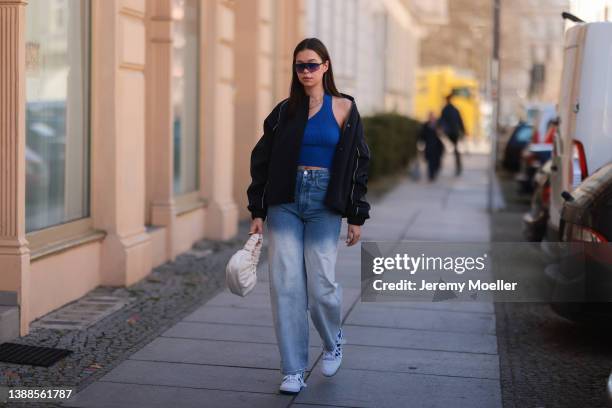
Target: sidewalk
[[402, 354]]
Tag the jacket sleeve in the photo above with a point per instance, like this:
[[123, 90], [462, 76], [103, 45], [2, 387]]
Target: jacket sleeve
[[359, 209], [260, 158]]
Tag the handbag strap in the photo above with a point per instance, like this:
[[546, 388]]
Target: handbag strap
[[254, 242]]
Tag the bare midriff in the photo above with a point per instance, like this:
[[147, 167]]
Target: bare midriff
[[310, 168]]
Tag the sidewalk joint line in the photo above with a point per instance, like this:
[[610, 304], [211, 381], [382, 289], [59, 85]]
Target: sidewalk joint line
[[382, 305], [191, 387], [428, 330], [427, 374], [422, 349], [203, 364]]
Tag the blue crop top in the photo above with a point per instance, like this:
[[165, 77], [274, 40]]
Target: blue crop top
[[321, 136]]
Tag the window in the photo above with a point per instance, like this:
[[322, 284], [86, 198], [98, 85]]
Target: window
[[185, 95], [57, 112], [462, 92]]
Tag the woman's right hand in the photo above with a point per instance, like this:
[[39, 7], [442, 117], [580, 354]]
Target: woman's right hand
[[256, 226]]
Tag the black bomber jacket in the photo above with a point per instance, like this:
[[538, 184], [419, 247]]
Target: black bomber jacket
[[274, 164]]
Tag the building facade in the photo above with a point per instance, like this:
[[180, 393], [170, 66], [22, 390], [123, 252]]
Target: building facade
[[374, 46], [126, 126], [460, 37], [531, 55]]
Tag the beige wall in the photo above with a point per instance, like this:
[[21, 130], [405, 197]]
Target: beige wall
[[136, 221]]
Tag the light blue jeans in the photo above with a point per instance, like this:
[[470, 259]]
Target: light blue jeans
[[302, 249]]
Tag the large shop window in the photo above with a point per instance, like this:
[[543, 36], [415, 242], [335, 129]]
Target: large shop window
[[185, 95], [57, 112]]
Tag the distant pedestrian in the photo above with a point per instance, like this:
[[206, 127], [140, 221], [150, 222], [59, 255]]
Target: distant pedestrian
[[309, 170], [452, 125], [434, 148]]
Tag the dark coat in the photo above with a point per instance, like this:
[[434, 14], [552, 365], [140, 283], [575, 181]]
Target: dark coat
[[434, 148], [274, 164], [451, 122]]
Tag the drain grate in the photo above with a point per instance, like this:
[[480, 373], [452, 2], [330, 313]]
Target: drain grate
[[31, 355], [82, 313]]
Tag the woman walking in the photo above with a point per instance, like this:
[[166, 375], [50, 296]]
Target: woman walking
[[309, 170]]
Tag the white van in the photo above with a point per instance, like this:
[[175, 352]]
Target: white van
[[584, 142]]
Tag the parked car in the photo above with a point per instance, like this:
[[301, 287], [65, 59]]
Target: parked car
[[521, 136], [534, 221], [587, 223], [541, 116], [609, 391], [533, 157], [584, 141], [581, 177], [539, 150]]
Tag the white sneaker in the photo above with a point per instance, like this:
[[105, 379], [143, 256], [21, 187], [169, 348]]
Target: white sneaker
[[332, 359], [292, 383]]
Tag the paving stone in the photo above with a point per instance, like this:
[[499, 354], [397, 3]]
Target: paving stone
[[362, 388], [445, 306], [377, 316], [195, 376], [229, 353], [216, 331], [421, 361], [421, 339], [231, 315], [113, 395]]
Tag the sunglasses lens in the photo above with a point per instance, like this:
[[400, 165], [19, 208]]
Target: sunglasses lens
[[311, 66]]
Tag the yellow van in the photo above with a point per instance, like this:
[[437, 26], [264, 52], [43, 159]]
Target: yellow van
[[435, 83]]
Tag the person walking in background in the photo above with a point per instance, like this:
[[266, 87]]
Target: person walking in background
[[308, 170], [434, 148], [452, 125]]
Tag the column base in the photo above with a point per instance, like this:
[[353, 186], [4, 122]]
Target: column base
[[163, 215], [15, 280], [221, 220], [126, 260]]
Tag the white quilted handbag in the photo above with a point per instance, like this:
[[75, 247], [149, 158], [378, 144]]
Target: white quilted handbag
[[241, 270]]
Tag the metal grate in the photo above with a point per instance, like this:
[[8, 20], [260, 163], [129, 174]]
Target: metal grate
[[32, 355], [81, 314]]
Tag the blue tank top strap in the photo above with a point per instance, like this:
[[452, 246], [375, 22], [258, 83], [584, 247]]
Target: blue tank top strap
[[328, 106]]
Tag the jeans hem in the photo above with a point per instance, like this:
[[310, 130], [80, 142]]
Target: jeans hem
[[303, 370]]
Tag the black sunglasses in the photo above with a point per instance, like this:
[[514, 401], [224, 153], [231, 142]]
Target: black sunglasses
[[311, 66]]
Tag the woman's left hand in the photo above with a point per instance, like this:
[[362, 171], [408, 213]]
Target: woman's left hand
[[353, 234]]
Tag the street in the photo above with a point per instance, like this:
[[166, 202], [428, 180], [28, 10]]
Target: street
[[546, 361]]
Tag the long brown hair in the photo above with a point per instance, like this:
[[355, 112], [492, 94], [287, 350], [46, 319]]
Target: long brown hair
[[296, 92]]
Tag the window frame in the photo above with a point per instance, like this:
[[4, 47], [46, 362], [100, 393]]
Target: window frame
[[191, 200], [59, 237]]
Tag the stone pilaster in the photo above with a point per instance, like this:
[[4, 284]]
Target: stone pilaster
[[118, 140], [159, 143], [14, 252], [290, 20], [217, 127], [254, 50]]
